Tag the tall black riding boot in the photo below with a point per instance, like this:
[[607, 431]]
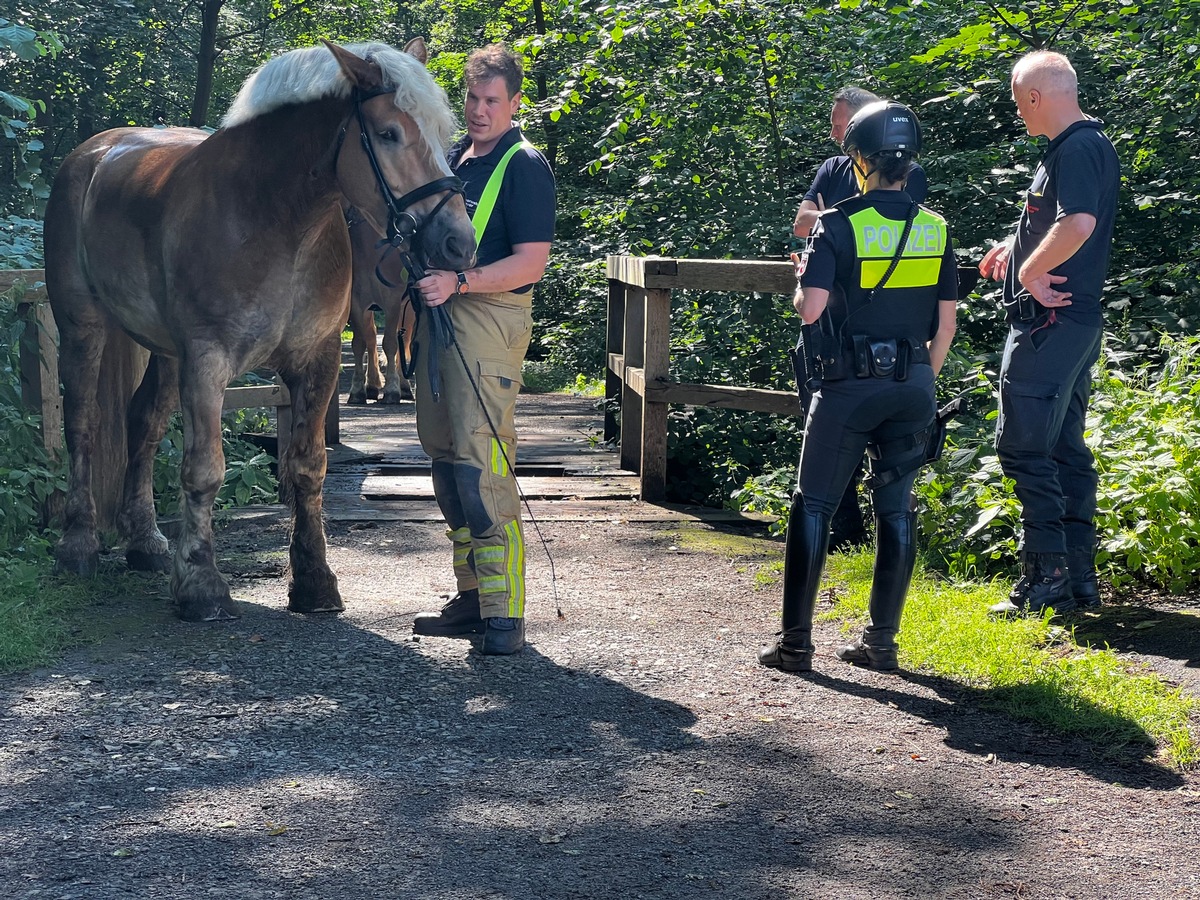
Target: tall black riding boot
[[895, 557], [803, 562], [1081, 568]]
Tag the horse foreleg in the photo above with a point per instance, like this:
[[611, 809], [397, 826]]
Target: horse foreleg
[[150, 411], [396, 386], [313, 587], [82, 342], [201, 593], [359, 347]]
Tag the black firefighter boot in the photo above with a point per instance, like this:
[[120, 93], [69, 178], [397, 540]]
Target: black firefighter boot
[[1043, 585], [459, 617], [1081, 568], [803, 562], [895, 557]]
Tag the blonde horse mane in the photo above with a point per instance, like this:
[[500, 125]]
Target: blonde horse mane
[[300, 76]]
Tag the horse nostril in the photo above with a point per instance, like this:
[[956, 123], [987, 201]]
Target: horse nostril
[[457, 247]]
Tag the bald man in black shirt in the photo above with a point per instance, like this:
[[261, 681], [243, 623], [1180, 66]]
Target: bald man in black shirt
[[1053, 272]]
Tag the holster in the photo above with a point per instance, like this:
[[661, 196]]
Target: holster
[[937, 437]]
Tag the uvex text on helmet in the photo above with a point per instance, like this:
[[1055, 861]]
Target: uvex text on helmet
[[883, 127]]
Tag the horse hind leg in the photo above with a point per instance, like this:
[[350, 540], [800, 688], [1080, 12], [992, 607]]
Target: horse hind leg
[[83, 334], [313, 587], [150, 412], [200, 591], [395, 335]]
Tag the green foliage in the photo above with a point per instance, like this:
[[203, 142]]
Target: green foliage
[[249, 476], [19, 149], [1148, 455], [28, 476]]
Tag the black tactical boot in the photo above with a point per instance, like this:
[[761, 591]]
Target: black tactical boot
[[460, 616], [1081, 567], [803, 562], [503, 636], [1043, 585], [895, 557]]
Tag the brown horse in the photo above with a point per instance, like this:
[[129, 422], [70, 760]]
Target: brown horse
[[399, 320], [227, 252]]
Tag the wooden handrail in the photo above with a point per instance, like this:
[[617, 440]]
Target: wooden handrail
[[638, 353]]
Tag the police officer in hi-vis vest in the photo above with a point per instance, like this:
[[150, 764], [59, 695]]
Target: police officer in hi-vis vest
[[880, 281]]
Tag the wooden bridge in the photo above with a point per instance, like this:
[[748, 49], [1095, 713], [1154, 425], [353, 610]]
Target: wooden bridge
[[574, 461]]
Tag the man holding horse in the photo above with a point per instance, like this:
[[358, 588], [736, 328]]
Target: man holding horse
[[469, 430]]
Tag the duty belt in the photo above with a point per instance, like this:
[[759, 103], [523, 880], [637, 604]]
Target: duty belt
[[868, 357]]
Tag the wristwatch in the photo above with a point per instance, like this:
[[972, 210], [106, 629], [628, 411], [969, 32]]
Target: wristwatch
[[464, 286]]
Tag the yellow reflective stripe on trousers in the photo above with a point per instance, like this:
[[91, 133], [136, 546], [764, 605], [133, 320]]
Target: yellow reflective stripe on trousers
[[485, 555], [499, 463], [516, 568]]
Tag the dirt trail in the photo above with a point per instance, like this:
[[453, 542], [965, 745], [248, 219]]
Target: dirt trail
[[635, 750]]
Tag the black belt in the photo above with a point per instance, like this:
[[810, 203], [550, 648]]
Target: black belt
[[868, 357]]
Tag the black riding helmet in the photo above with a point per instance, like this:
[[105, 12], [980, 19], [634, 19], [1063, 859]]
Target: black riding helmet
[[883, 127]]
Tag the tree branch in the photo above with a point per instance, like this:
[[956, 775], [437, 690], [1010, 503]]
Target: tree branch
[[999, 14]]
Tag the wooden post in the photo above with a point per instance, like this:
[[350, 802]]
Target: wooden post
[[40, 389], [615, 347], [656, 365], [634, 342]]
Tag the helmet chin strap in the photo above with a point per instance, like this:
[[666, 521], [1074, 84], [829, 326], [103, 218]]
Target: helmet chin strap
[[862, 176]]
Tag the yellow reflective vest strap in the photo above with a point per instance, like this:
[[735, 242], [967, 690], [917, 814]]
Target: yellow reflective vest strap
[[491, 190], [876, 237]]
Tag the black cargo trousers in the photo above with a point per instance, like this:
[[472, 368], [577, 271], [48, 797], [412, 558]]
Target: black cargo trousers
[[1045, 383]]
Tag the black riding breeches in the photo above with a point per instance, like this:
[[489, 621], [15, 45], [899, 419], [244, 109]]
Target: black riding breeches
[[848, 415]]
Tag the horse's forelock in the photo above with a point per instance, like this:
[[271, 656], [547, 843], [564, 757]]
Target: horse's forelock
[[299, 76], [416, 91]]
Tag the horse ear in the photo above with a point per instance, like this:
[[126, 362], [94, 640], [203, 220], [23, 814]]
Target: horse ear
[[362, 74], [417, 49]]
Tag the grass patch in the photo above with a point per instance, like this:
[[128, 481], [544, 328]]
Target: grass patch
[[36, 612], [732, 544], [42, 614], [1030, 669]]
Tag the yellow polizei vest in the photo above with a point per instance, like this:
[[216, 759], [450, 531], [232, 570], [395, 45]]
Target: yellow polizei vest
[[876, 237]]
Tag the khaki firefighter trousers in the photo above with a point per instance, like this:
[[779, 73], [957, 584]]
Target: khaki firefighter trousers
[[470, 435]]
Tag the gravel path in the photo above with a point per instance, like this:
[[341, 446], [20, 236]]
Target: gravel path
[[635, 750]]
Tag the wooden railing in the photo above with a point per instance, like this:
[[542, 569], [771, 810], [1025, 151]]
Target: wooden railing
[[639, 352], [42, 395]]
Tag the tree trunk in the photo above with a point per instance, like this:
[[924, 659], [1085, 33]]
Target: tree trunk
[[206, 60], [539, 23]]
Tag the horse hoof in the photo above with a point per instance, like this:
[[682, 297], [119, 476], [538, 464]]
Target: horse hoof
[[141, 561], [356, 400], [316, 607], [315, 598], [372, 393], [391, 398], [82, 566], [225, 610]]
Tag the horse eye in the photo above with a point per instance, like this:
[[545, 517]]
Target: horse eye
[[390, 135]]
